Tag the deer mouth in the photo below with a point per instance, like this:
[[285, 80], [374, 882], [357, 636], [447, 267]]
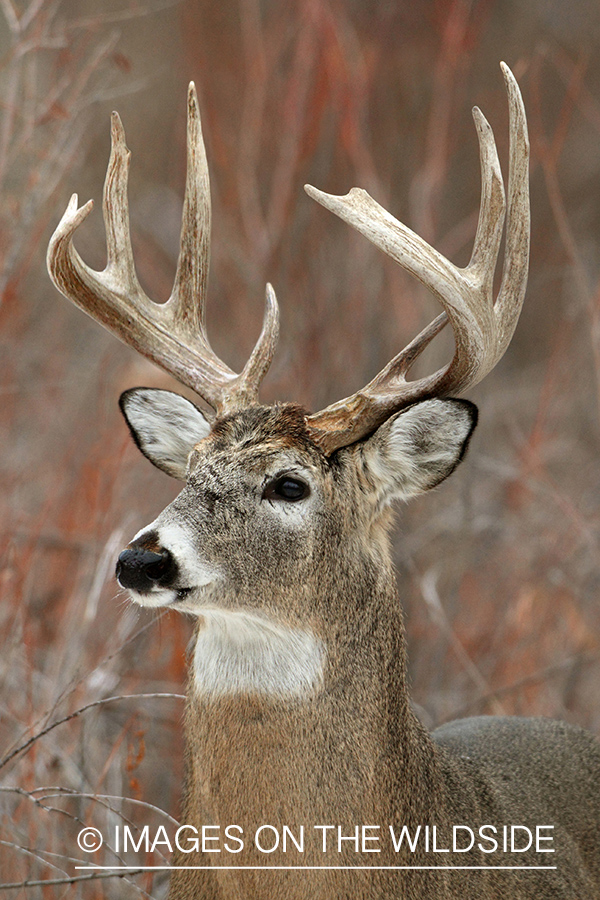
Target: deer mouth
[[183, 599]]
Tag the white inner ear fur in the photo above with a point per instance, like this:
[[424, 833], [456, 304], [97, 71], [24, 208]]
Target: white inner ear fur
[[419, 447], [165, 426]]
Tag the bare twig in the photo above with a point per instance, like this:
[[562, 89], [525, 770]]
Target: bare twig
[[23, 748], [73, 879], [436, 609]]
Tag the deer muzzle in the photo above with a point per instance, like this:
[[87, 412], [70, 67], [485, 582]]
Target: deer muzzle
[[142, 570]]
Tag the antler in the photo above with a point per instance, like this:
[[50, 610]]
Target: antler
[[482, 329], [171, 334]]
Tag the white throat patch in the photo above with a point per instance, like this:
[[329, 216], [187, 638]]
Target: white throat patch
[[245, 653]]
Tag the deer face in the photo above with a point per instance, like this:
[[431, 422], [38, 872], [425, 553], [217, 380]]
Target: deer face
[[248, 516], [264, 511]]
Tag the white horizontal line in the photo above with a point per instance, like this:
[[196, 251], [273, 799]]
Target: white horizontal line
[[279, 868]]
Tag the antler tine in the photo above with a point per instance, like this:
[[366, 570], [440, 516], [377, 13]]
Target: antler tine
[[261, 357], [516, 258], [189, 290], [171, 334], [482, 329]]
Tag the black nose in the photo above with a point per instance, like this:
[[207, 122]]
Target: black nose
[[140, 569]]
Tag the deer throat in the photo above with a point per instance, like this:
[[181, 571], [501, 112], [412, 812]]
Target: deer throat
[[239, 652]]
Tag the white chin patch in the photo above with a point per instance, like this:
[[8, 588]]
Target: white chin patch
[[247, 653], [186, 601], [155, 598]]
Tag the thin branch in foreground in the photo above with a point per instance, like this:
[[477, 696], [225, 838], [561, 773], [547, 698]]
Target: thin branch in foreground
[[93, 876], [23, 748]]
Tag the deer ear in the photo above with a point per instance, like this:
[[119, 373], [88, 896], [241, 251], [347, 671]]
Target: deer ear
[[419, 447], [165, 426]]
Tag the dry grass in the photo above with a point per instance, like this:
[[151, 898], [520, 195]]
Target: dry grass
[[498, 569]]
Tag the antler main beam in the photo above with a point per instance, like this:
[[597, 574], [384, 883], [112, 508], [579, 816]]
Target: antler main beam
[[171, 334], [482, 329]]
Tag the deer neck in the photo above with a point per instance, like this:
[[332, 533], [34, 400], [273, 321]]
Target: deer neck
[[260, 756]]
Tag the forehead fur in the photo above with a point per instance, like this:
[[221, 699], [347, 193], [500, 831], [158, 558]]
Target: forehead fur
[[281, 426]]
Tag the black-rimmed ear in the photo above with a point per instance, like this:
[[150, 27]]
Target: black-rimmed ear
[[419, 447], [165, 426]]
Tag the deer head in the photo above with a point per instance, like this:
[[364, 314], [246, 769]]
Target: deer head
[[273, 493]]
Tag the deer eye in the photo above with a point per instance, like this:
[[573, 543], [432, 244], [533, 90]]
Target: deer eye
[[286, 488]]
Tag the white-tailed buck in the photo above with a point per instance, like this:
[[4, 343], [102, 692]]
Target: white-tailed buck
[[298, 714]]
